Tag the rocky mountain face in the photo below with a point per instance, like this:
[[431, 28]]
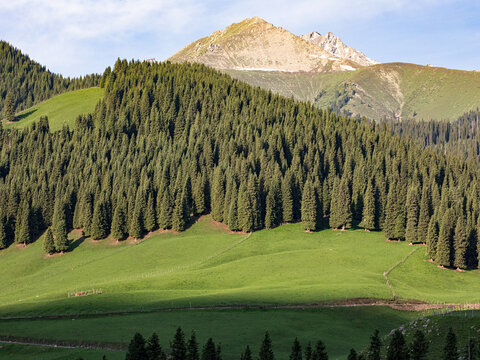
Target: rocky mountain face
[[332, 44], [255, 44]]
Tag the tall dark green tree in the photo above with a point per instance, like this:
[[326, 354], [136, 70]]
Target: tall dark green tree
[[3, 236], [287, 199], [273, 215], [150, 217], [450, 351], [178, 348], [352, 355], [209, 352], [320, 351], [247, 354], [424, 216], [368, 217], [460, 244], [100, 225], [419, 346], [22, 228], [192, 347], [341, 207], [373, 352], [397, 348], [136, 348], [48, 243], [296, 353], [119, 220], [153, 348], [308, 351], [266, 350], [61, 236], [309, 207], [411, 234], [8, 108], [443, 256], [432, 238]]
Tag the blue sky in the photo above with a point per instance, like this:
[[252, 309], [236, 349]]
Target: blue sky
[[76, 37]]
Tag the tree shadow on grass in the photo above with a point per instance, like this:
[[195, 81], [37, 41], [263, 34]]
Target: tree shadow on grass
[[24, 115], [76, 243]]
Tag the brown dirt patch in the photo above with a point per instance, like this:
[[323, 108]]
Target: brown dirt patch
[[221, 225], [392, 241], [21, 246]]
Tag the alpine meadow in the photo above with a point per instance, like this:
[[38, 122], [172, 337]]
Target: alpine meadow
[[258, 195]]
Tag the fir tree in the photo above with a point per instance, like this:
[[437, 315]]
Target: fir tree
[[192, 348], [61, 240], [22, 228], [450, 350], [247, 354], [424, 216], [375, 346], [444, 240], [266, 351], [8, 108], [309, 207], [48, 244], [136, 348], [419, 347], [153, 348], [397, 348], [412, 215], [165, 211], [178, 349], [218, 352], [119, 221], [287, 199], [244, 210], [233, 215], [3, 235], [320, 351], [218, 194], [432, 238], [273, 216], [209, 351], [308, 351], [460, 244], [368, 217], [179, 221], [296, 353], [137, 221], [150, 218], [100, 226]]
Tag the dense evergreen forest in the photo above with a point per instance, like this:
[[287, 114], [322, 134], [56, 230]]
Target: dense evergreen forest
[[460, 137], [171, 142], [24, 82]]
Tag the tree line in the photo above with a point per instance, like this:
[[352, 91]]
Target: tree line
[[170, 142], [24, 82], [395, 348]]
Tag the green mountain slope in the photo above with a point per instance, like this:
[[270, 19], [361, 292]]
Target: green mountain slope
[[61, 109]]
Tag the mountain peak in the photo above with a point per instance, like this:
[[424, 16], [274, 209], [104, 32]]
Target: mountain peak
[[255, 44], [335, 46]]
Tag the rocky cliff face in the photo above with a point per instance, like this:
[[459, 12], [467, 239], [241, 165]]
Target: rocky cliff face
[[255, 44], [333, 45]]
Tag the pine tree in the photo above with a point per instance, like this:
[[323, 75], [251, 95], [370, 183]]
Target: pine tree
[[100, 226], [22, 227], [460, 244], [178, 349], [119, 221], [266, 351], [218, 194], [165, 211], [247, 354], [273, 215], [368, 217], [352, 355], [136, 348], [244, 210], [153, 348], [48, 244], [391, 213], [444, 240], [419, 347], [309, 207], [308, 351], [432, 238], [137, 222], [397, 348], [374, 347], [179, 220], [424, 216], [61, 239], [150, 218], [287, 199], [296, 353], [450, 350], [209, 352], [8, 108], [341, 206], [3, 235], [192, 348], [412, 215], [320, 351], [233, 215]]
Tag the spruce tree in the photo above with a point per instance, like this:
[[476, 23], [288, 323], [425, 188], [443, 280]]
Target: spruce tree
[[218, 194], [412, 215], [320, 351], [460, 244], [247, 354], [233, 215], [397, 348], [136, 348], [119, 221], [287, 199], [443, 255], [391, 213], [137, 221], [244, 210], [209, 351], [8, 108], [100, 226], [192, 348], [153, 348], [266, 351], [309, 207], [3, 235], [61, 239], [368, 217], [296, 353], [22, 227], [150, 218], [48, 244], [178, 349], [423, 216], [450, 349], [218, 352], [432, 238], [308, 351], [165, 211], [375, 346], [179, 221], [419, 347]]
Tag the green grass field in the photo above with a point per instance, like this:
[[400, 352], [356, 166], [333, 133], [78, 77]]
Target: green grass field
[[206, 265], [61, 109], [339, 328], [27, 352]]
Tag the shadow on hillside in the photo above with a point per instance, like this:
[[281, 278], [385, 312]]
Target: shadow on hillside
[[24, 115], [76, 243]]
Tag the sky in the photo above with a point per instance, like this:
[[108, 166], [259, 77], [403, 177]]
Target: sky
[[77, 37]]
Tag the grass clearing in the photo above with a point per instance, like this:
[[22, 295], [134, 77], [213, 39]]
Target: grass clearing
[[29, 352], [61, 109]]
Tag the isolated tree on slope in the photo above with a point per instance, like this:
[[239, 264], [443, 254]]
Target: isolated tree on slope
[[61, 239]]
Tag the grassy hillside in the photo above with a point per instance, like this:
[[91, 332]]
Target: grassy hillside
[[206, 265], [28, 352], [339, 328], [61, 109], [395, 90]]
